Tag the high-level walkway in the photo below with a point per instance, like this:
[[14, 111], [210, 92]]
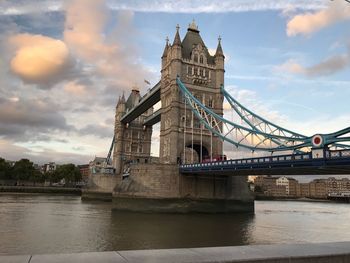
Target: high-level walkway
[[295, 253], [146, 102]]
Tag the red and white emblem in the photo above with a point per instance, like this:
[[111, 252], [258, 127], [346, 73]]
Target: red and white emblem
[[317, 140]]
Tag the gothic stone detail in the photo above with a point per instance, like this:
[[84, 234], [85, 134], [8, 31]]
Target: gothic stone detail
[[133, 141], [203, 74]]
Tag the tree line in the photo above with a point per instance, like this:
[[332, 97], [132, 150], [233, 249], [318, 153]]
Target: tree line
[[24, 170]]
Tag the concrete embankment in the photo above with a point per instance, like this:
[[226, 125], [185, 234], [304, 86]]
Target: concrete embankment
[[298, 253], [40, 189]]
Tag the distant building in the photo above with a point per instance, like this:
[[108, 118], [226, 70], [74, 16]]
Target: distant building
[[277, 191], [265, 182], [290, 185], [283, 181], [337, 186], [276, 186], [49, 167], [85, 171], [303, 190], [318, 189]]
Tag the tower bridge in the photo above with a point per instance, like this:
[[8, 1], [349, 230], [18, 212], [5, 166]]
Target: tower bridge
[[193, 129]]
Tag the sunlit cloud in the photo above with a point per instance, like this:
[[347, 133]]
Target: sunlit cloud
[[75, 88], [328, 66], [39, 59], [108, 55], [311, 22]]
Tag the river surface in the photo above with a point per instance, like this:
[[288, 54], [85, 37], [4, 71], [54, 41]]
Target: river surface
[[40, 224]]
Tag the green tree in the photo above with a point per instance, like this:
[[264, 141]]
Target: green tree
[[23, 170], [5, 170], [69, 172], [36, 177]]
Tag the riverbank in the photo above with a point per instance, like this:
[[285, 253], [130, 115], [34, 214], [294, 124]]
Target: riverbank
[[302, 199], [40, 189]]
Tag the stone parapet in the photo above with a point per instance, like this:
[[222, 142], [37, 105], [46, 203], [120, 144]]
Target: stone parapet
[[291, 253]]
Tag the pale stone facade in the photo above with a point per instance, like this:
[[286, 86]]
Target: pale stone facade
[[133, 141], [160, 187], [203, 75]]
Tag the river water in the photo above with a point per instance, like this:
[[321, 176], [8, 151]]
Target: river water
[[40, 224]]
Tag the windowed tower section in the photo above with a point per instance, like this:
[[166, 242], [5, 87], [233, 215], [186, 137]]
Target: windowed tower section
[[203, 75]]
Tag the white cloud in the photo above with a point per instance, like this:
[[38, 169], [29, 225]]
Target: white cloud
[[109, 55], [9, 7], [328, 66], [311, 22], [75, 88], [212, 6]]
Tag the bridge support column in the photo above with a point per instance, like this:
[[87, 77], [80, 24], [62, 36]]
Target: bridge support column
[[161, 188]]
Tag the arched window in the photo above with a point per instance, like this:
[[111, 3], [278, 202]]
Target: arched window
[[201, 59], [189, 70], [195, 58], [210, 103], [201, 72]]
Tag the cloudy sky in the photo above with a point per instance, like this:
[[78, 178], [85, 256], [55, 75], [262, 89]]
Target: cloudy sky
[[63, 65]]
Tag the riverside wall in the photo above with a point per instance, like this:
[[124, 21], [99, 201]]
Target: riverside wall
[[40, 189], [292, 253]]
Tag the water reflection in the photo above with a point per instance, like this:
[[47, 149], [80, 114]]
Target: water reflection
[[180, 230], [40, 224]]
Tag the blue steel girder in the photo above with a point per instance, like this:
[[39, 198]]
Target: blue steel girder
[[253, 137], [256, 121]]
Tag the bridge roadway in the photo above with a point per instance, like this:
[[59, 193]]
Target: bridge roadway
[[338, 252], [146, 102], [334, 162]]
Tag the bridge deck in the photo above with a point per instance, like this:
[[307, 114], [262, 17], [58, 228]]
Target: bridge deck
[[336, 162]]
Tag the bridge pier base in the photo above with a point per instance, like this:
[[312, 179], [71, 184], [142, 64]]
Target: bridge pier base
[[161, 188]]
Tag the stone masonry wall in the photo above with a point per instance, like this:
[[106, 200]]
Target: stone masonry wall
[[164, 181], [150, 180]]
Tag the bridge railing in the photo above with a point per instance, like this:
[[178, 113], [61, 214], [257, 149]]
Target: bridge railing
[[334, 154], [338, 154], [255, 160]]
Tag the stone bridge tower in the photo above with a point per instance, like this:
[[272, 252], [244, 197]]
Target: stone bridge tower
[[132, 142], [203, 74]]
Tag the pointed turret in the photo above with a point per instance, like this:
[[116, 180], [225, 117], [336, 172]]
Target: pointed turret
[[219, 51], [219, 64], [177, 39], [123, 98], [165, 52], [193, 27]]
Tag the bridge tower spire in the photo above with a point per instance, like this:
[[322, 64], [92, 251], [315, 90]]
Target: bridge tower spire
[[181, 134]]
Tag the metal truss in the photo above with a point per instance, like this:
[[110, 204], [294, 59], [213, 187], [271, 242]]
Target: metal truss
[[109, 159], [256, 133]]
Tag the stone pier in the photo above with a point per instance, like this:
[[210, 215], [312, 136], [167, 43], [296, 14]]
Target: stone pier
[[160, 188]]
